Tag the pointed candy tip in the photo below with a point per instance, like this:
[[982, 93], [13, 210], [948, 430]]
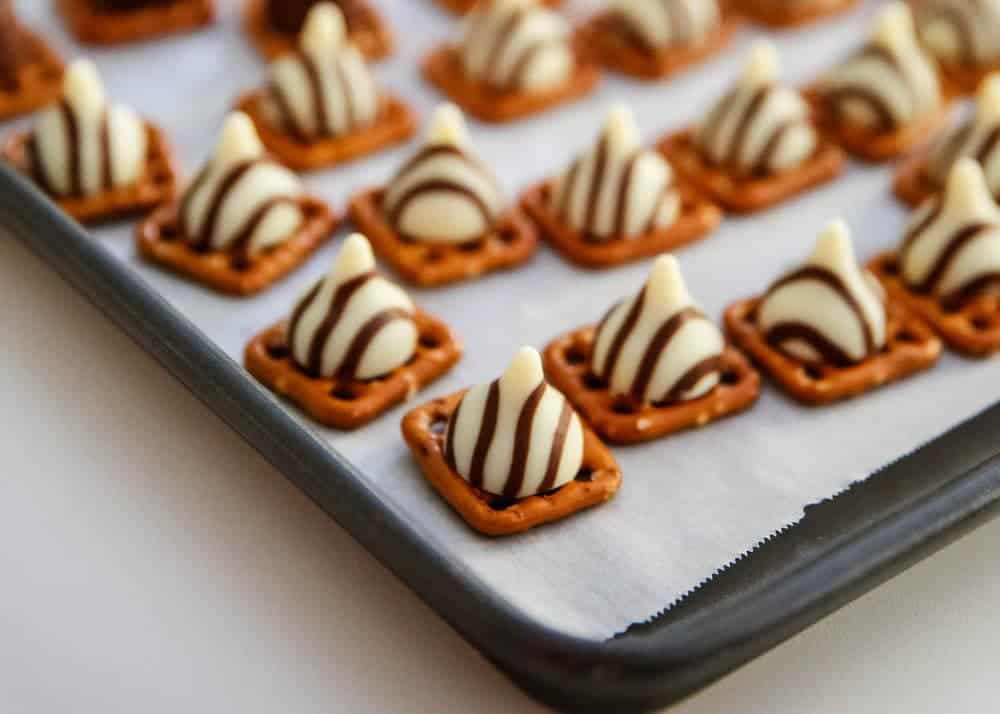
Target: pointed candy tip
[[966, 188], [762, 63], [355, 257], [82, 82], [834, 245], [448, 126], [620, 127], [525, 368], [324, 28], [238, 138], [894, 23]]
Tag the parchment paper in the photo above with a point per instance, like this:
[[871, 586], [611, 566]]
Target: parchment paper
[[689, 504]]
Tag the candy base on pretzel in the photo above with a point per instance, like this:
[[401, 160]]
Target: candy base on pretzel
[[351, 403], [38, 81], [513, 242], [875, 146], [912, 183], [746, 194], [604, 37], [597, 481], [460, 7], [697, 219], [158, 183], [783, 14], [372, 36], [973, 329], [910, 347], [443, 68], [159, 240], [618, 420], [91, 25], [395, 124], [960, 79]]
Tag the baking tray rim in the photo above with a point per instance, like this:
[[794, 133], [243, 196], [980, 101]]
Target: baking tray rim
[[632, 670]]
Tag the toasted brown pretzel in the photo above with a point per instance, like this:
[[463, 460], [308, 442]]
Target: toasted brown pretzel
[[38, 81], [92, 26], [372, 36]]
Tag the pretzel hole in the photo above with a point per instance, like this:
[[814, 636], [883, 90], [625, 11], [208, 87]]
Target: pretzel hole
[[239, 263], [471, 247], [906, 336], [623, 406], [593, 382], [890, 267], [575, 355], [438, 426], [585, 474], [170, 231], [433, 256], [729, 377], [278, 351], [813, 372], [981, 322], [429, 342], [344, 393], [507, 234], [500, 503]]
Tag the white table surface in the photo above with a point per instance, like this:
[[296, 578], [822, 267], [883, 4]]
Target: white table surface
[[151, 561]]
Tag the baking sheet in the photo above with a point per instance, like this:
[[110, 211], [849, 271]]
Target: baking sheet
[[690, 504]]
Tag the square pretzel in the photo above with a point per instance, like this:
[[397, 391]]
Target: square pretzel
[[369, 32], [910, 347], [352, 403], [157, 185], [872, 146], [698, 218], [511, 243], [460, 7], [597, 481], [973, 329], [38, 82], [395, 124], [443, 68], [912, 183], [618, 420], [783, 14], [93, 26], [604, 37], [159, 240], [746, 194]]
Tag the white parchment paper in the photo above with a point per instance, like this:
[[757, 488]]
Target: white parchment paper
[[689, 504]]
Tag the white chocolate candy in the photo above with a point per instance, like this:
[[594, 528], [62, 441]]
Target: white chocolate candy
[[758, 126], [517, 45], [665, 24], [324, 89], [952, 246], [657, 346], [977, 137], [443, 194], [74, 132], [828, 311], [617, 189], [353, 324], [486, 447], [890, 82], [961, 32], [241, 198]]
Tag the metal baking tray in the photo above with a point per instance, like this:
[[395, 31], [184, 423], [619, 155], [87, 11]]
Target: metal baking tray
[[842, 548]]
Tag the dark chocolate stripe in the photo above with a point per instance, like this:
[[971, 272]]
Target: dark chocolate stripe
[[338, 303], [812, 272], [883, 112], [289, 123], [107, 169], [316, 93], [356, 351], [185, 210], [657, 346], [501, 41], [524, 61], [485, 437], [569, 186], [439, 185], [624, 330], [624, 191], [203, 241], [558, 444], [984, 152], [240, 245], [828, 351], [951, 149], [72, 129], [746, 122], [924, 224], [763, 163], [350, 111], [38, 169], [947, 256], [960, 295], [691, 378], [297, 313], [522, 442], [713, 123], [596, 179]]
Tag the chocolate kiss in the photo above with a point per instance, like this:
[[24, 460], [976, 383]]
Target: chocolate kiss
[[966, 193]]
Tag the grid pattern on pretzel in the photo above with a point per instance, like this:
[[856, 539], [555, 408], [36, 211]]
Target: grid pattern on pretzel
[[698, 217], [157, 184], [748, 193], [443, 69], [619, 419], [603, 37], [597, 481], [869, 145], [511, 243], [973, 328], [90, 24], [395, 123], [910, 346], [160, 240], [350, 403], [370, 34], [38, 80]]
